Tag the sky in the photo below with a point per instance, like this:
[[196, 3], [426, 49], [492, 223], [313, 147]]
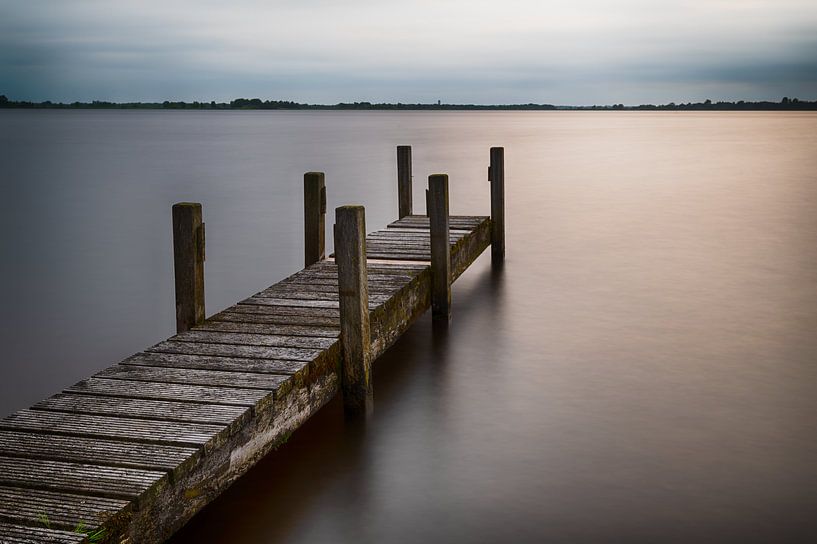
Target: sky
[[564, 52]]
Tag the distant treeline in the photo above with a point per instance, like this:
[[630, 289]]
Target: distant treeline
[[258, 104]]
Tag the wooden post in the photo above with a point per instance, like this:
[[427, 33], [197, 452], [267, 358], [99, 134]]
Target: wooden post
[[355, 335], [314, 218], [188, 263], [496, 175], [404, 180], [437, 205]]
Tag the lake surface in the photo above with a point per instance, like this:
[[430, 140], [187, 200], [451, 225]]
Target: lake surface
[[644, 369]]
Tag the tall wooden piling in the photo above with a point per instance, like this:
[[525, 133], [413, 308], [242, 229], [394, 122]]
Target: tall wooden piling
[[437, 205], [496, 175], [355, 334], [314, 217], [404, 180], [188, 263]]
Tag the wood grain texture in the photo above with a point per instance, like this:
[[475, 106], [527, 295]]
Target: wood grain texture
[[188, 264], [60, 510], [440, 249], [11, 533], [497, 205], [169, 428], [101, 481], [35, 444], [314, 217], [403, 181], [355, 334]]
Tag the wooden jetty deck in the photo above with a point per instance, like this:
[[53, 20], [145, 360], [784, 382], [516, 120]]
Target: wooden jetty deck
[[133, 452]]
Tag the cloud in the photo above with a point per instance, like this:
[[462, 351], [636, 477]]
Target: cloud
[[582, 51]]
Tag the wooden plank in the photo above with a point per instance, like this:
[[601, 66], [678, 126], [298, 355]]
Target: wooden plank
[[148, 431], [292, 303], [191, 393], [226, 350], [250, 314], [214, 337], [331, 286], [20, 534], [58, 510], [305, 295], [424, 231], [216, 414], [271, 328], [111, 482], [268, 382], [100, 451], [295, 303], [205, 362]]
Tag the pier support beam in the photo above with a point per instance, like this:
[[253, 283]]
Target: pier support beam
[[314, 218], [355, 334], [188, 264], [496, 175], [404, 180], [437, 206]]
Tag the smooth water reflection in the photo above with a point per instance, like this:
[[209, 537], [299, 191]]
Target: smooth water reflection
[[643, 370]]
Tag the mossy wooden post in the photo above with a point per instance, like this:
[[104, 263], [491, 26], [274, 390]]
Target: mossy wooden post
[[188, 263], [437, 205], [314, 218], [496, 175], [355, 334], [404, 180]]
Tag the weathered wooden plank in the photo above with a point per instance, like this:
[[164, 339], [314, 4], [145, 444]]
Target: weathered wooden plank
[[286, 311], [397, 256], [332, 280], [424, 231], [58, 510], [205, 362], [331, 286], [296, 303], [276, 329], [216, 414], [467, 250], [245, 314], [293, 303], [268, 382], [21, 534], [111, 482], [463, 219], [227, 350], [213, 337], [299, 294], [100, 451], [135, 430], [192, 393]]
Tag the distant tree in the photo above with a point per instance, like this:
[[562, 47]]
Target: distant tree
[[785, 100], [3, 100]]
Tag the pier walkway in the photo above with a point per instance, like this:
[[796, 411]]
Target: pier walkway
[[131, 453]]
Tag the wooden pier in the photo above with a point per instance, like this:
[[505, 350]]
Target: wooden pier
[[133, 452]]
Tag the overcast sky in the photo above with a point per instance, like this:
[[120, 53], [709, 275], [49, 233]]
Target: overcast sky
[[458, 51]]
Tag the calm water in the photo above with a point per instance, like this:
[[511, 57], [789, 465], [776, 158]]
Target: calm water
[[644, 370]]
